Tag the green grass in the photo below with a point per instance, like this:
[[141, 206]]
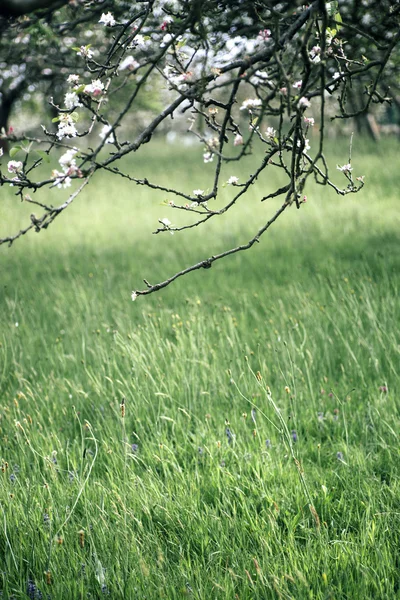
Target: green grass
[[313, 308]]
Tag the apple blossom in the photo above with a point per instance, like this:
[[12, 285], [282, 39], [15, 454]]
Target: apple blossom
[[134, 296], [66, 126], [345, 168], [105, 133], [233, 180], [198, 193], [95, 88], [71, 100], [270, 132], [208, 157], [238, 141], [85, 52], [251, 103], [297, 84], [74, 79], [60, 179], [264, 34], [107, 19], [304, 102], [14, 166], [129, 63], [309, 121]]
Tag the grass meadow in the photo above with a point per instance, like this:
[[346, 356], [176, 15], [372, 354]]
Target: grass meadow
[[250, 391]]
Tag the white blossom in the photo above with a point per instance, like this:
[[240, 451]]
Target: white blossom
[[304, 102], [309, 121], [251, 103], [315, 54], [238, 141], [270, 132], [129, 63], [14, 166], [74, 79], [66, 126], [1, 152], [165, 222], [134, 296], [198, 193], [61, 180], [95, 88], [71, 100], [208, 157], [233, 180], [107, 19], [104, 133], [67, 160], [297, 84], [345, 168], [85, 52]]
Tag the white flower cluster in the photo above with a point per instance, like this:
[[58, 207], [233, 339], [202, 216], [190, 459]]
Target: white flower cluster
[[95, 88], [85, 52], [175, 78], [129, 63], [69, 167], [208, 157], [315, 54], [304, 103], [107, 134], [233, 180], [14, 166], [66, 126], [270, 133], [251, 103], [71, 100], [107, 19]]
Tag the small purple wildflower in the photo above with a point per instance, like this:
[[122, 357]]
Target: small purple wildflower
[[104, 589], [268, 443], [71, 476], [320, 416], [339, 456], [200, 451], [383, 389], [46, 519], [134, 448], [330, 395], [222, 463], [31, 590], [294, 435], [13, 477]]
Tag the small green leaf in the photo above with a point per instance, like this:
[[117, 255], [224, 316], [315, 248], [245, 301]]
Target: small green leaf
[[43, 155], [14, 151], [74, 116], [55, 120], [338, 21]]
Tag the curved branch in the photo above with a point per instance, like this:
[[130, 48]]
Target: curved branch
[[207, 263]]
